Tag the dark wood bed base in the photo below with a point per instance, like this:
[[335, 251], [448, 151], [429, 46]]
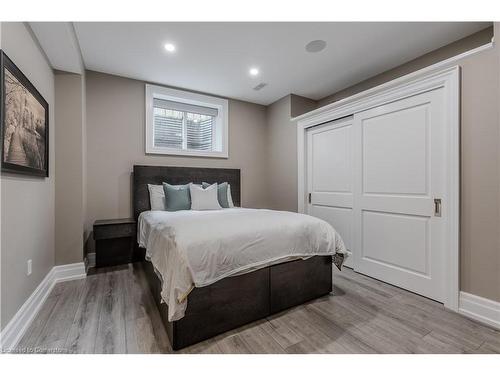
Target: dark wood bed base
[[238, 300]]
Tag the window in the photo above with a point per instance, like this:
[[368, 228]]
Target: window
[[184, 123]]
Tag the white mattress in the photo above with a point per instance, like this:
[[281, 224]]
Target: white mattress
[[197, 248]]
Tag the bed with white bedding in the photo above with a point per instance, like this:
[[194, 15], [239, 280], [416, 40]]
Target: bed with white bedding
[[215, 270], [191, 249]]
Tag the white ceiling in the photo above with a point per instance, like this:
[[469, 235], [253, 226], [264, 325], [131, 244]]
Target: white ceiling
[[215, 57], [59, 43]]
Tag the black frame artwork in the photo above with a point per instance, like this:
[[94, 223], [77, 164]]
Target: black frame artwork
[[24, 125]]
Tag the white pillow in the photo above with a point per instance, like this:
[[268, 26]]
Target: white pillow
[[229, 197], [204, 199], [156, 197]]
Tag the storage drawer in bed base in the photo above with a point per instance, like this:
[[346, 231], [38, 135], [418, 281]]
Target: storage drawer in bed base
[[235, 301]]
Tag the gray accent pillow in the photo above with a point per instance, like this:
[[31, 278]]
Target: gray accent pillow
[[177, 197], [221, 193]]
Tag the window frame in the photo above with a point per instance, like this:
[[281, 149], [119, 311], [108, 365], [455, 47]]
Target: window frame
[[221, 131]]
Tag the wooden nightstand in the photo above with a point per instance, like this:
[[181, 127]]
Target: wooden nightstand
[[115, 242]]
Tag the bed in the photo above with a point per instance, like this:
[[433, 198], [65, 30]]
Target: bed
[[209, 297]]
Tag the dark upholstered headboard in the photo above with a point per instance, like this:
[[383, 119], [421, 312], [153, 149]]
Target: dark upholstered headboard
[[147, 174]]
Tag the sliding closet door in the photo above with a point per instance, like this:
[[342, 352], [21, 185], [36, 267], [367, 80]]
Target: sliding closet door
[[330, 177], [399, 202]]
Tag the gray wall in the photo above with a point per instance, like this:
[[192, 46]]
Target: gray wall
[[69, 184], [115, 142], [27, 203], [480, 177], [497, 32], [480, 157], [475, 40], [282, 150]]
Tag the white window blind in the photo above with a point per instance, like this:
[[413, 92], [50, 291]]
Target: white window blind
[[168, 128], [185, 123], [184, 126]]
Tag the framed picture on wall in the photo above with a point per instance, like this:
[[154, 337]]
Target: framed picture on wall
[[24, 121]]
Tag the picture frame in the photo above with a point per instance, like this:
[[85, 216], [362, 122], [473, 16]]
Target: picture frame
[[24, 123]]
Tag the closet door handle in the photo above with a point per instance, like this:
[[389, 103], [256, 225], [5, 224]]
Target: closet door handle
[[437, 207], [309, 198]]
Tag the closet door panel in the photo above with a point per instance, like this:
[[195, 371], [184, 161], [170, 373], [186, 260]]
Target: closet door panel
[[331, 160], [395, 148], [399, 163], [396, 241], [330, 177]]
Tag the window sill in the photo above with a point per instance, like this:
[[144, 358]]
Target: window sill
[[200, 154]]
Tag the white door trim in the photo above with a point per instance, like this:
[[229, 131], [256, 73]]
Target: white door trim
[[403, 87]]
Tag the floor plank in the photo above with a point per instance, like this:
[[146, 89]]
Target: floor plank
[[30, 338], [111, 327], [260, 341], [55, 332], [281, 333], [113, 311], [81, 337]]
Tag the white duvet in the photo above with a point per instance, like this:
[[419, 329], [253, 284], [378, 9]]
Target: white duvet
[[196, 248]]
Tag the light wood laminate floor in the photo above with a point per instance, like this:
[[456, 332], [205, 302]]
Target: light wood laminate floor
[[112, 311]]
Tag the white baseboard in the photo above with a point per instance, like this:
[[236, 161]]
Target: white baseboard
[[15, 329], [481, 309], [68, 272]]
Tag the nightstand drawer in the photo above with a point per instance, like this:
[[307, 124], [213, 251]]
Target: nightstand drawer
[[114, 231]]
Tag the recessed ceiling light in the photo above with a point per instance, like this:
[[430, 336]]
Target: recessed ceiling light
[[170, 47], [315, 46], [254, 72]]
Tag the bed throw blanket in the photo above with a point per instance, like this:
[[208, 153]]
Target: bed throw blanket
[[191, 249]]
